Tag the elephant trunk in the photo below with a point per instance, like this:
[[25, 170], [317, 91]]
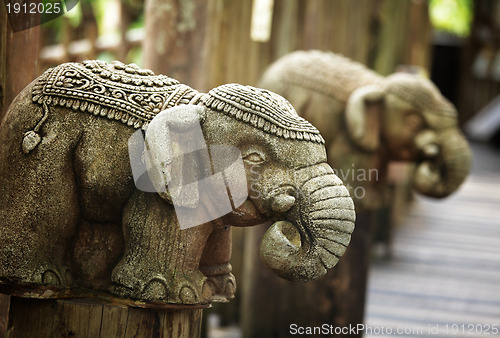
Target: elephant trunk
[[446, 167], [317, 228]]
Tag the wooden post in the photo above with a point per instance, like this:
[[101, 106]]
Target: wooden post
[[4, 307], [66, 318], [90, 29], [175, 31], [4, 26], [419, 35], [18, 67], [18, 59], [393, 35], [26, 317], [125, 21], [271, 304]]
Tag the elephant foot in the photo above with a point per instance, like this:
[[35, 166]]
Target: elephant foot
[[186, 288], [221, 281], [47, 275], [51, 277], [60, 277], [223, 287], [47, 281]]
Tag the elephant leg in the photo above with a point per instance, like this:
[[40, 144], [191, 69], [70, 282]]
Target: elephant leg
[[96, 249], [160, 261], [38, 213], [215, 264]]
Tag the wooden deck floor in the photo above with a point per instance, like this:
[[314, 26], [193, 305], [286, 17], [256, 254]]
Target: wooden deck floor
[[444, 278]]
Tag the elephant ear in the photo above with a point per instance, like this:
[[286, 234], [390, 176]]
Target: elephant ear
[[174, 140], [363, 113]]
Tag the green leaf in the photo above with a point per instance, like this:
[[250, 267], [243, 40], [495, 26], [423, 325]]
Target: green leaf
[[454, 16]]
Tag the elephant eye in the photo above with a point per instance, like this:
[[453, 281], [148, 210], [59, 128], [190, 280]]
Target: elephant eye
[[254, 158], [414, 121]]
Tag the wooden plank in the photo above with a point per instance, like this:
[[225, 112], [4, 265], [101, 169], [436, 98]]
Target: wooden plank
[[84, 318], [446, 264], [112, 319], [434, 311]]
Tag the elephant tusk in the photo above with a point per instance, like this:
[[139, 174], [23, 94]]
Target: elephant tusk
[[431, 150], [282, 203], [280, 242], [426, 176]]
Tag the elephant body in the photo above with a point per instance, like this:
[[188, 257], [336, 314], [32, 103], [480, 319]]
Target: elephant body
[[72, 213]]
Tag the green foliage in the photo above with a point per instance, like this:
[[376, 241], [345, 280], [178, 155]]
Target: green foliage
[[75, 15], [454, 16]]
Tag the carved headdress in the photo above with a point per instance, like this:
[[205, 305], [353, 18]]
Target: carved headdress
[[117, 91], [262, 109], [425, 97]]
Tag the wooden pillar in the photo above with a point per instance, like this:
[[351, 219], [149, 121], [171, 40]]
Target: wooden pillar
[[217, 41], [393, 35], [18, 59], [4, 308], [4, 26], [125, 21], [271, 304], [67, 318], [18, 67], [419, 36], [90, 29], [175, 31]]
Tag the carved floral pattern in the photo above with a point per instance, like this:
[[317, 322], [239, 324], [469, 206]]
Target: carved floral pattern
[[134, 96], [121, 92]]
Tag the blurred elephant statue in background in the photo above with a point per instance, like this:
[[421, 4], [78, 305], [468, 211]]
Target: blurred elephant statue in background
[[368, 120], [77, 213]]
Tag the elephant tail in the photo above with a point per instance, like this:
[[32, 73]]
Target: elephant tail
[[32, 137]]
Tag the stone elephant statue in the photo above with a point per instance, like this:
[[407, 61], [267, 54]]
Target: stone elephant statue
[[368, 120], [77, 218]]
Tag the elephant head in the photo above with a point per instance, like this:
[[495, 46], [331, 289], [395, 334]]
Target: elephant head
[[287, 178], [408, 116]]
